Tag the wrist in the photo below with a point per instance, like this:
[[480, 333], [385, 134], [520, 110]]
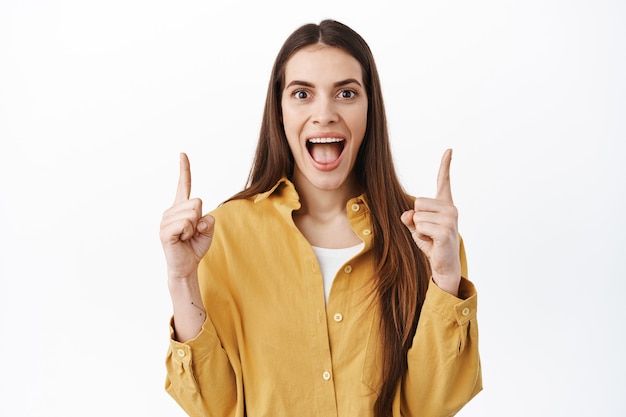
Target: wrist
[[183, 283], [449, 284]]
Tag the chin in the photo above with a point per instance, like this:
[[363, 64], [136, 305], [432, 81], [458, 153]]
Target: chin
[[328, 181]]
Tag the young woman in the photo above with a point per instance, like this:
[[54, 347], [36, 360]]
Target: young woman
[[323, 288]]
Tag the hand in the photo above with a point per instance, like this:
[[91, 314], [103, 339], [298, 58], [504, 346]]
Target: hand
[[433, 223], [185, 235]]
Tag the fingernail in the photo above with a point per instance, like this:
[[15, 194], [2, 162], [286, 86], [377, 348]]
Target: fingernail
[[202, 226]]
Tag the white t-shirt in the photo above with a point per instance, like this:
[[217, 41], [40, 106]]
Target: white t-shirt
[[331, 260]]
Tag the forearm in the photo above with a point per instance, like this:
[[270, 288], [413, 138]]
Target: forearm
[[189, 311]]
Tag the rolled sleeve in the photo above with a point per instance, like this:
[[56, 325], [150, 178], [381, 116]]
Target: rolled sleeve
[[199, 346], [182, 356], [461, 309], [199, 370]]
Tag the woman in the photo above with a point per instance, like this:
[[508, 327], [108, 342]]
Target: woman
[[323, 288]]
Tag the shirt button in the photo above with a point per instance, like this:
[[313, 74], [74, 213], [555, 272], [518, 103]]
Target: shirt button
[[338, 317], [347, 269], [355, 207], [465, 311], [180, 352], [326, 375], [366, 232]]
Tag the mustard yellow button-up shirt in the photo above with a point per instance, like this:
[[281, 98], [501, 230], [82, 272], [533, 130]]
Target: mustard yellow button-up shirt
[[272, 347]]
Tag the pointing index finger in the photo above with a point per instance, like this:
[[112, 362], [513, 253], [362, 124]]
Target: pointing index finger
[[444, 191], [184, 180]]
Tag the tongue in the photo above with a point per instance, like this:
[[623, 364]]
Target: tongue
[[325, 153]]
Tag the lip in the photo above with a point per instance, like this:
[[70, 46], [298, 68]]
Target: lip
[[328, 135]]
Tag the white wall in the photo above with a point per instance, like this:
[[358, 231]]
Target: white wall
[[98, 98]]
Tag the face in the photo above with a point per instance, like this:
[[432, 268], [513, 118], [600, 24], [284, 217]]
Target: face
[[324, 107]]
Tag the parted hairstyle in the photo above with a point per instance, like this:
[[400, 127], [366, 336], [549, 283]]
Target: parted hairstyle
[[402, 270]]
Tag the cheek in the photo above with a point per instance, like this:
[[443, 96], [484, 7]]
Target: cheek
[[357, 121], [291, 131], [293, 123], [289, 119]]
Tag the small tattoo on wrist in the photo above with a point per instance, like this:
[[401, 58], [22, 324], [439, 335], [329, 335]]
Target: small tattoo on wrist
[[203, 311]]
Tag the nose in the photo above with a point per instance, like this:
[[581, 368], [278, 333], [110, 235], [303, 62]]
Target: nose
[[325, 112]]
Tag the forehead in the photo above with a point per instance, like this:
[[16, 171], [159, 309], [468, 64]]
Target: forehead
[[322, 63]]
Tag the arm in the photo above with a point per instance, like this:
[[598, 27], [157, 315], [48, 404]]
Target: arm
[[200, 376], [185, 238], [444, 370]]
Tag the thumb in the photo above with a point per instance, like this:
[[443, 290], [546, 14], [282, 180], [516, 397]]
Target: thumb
[[407, 219], [205, 225], [204, 235]]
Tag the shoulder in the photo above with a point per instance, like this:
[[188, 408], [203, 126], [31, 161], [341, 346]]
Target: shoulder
[[233, 209]]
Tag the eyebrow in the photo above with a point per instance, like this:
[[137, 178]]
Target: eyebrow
[[337, 84]]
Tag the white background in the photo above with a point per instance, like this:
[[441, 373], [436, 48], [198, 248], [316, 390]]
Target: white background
[[98, 98]]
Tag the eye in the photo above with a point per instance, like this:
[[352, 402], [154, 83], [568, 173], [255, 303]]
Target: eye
[[301, 94], [347, 94]]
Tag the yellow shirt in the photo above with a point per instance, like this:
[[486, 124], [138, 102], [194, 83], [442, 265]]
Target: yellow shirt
[[272, 347]]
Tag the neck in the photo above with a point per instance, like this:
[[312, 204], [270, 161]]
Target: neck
[[322, 217], [321, 203]]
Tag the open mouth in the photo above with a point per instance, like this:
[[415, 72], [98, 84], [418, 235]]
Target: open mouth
[[325, 150]]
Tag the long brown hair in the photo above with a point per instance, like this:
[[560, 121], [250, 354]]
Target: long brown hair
[[402, 270]]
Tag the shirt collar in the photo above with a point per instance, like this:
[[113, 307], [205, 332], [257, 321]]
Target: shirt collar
[[291, 189], [286, 192], [286, 199]]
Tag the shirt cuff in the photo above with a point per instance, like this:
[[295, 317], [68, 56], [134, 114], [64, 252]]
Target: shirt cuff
[[197, 348], [460, 310]]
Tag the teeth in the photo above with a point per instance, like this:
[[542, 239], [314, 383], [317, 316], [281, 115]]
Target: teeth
[[325, 140]]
